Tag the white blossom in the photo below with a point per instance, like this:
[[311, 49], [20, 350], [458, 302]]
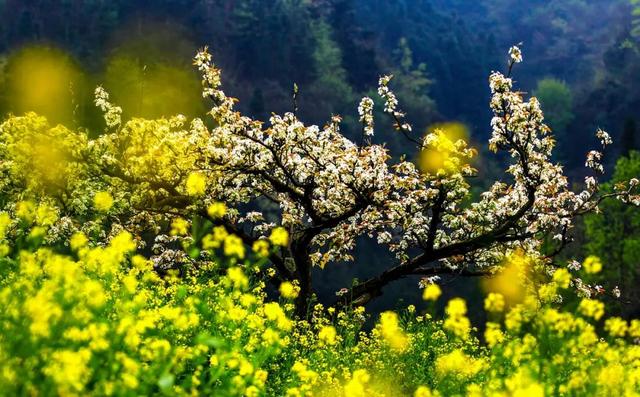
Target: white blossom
[[516, 54], [604, 137], [112, 113], [616, 292], [593, 161], [365, 110]]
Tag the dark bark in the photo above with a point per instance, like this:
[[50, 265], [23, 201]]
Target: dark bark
[[300, 250]]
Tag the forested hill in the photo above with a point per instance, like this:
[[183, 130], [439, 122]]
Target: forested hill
[[440, 51]]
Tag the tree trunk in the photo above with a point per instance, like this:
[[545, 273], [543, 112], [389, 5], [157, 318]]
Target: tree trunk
[[300, 250]]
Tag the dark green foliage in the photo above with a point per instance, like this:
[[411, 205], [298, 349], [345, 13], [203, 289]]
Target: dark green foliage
[[557, 101]]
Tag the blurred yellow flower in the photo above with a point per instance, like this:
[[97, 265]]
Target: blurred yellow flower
[[279, 236], [458, 363], [196, 184], [456, 307], [217, 210], [237, 277], [78, 240], [592, 264], [456, 320], [5, 221], [493, 335], [261, 248], [591, 308], [103, 201], [494, 302], [510, 280], [233, 246], [616, 326], [179, 227], [357, 386], [25, 210], [431, 292], [327, 335], [423, 391], [562, 278], [288, 290], [391, 331]]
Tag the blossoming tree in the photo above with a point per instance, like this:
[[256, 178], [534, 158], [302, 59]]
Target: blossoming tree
[[166, 176]]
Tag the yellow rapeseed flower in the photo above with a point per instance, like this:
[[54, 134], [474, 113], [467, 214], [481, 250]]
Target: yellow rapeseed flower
[[431, 292], [179, 227], [493, 334], [25, 210], [423, 391], [196, 184], [5, 221], [592, 264], [562, 278], [279, 236], [456, 320], [357, 386], [634, 328], [237, 277], [78, 240], [217, 210], [288, 290], [327, 335], [458, 363], [103, 201], [591, 308], [456, 307], [233, 246], [392, 332], [261, 248], [46, 215], [616, 327], [494, 302]]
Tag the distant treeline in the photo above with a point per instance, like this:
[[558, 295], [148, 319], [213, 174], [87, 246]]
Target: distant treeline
[[334, 50]]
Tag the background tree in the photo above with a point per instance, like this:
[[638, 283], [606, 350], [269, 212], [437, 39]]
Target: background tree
[[557, 102]]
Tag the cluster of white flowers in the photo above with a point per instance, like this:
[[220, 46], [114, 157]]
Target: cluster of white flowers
[[426, 281], [365, 110], [574, 265], [112, 114], [390, 100], [516, 54], [590, 183], [391, 103], [594, 158], [604, 137]]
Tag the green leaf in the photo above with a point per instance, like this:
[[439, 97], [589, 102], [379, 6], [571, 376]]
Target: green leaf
[[166, 382]]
